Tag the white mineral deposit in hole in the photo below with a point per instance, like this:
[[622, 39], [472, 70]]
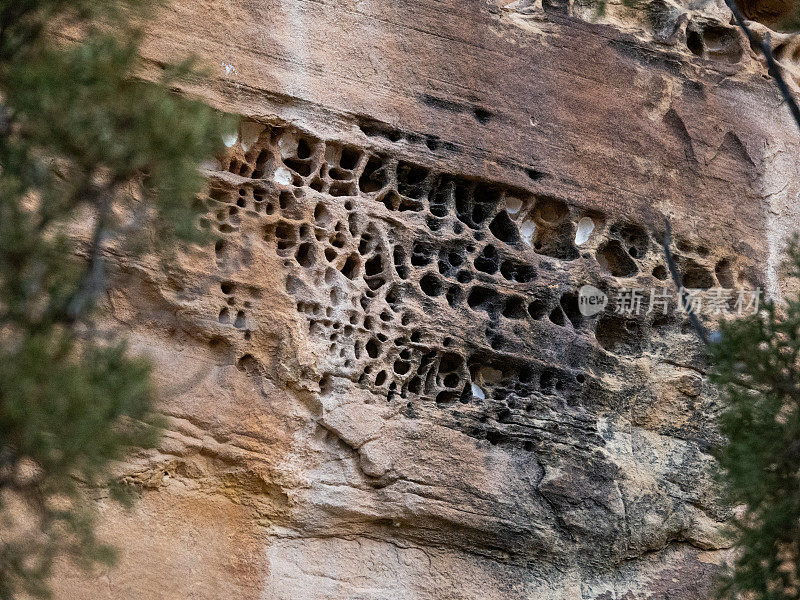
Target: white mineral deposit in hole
[[250, 132], [513, 205], [230, 139], [287, 145], [585, 228], [477, 392], [526, 229], [283, 176]]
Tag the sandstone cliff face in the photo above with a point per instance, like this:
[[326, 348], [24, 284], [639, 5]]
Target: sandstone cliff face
[[378, 381]]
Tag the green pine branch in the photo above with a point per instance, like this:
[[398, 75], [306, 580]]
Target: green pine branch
[[78, 133]]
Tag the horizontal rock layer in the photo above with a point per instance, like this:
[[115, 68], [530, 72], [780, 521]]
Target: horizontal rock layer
[[378, 379]]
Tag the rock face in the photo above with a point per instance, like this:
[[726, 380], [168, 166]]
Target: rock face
[[379, 381]]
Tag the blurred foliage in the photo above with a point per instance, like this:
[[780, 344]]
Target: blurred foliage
[[756, 366], [90, 156]]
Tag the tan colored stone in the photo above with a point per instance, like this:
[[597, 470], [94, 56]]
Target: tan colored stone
[[377, 380]]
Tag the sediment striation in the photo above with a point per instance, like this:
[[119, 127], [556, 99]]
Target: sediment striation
[[378, 380]]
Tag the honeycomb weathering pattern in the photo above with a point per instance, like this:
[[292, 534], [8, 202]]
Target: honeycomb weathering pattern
[[377, 381], [380, 289], [382, 256]]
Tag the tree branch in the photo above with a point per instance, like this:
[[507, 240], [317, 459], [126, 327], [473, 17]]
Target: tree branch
[[93, 279]]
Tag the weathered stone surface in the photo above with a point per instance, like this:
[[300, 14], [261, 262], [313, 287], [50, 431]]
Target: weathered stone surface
[[378, 381]]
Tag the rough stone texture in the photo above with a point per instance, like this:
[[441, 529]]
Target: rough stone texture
[[378, 382]]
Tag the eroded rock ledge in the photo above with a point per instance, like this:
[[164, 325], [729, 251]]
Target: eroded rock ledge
[[378, 379]]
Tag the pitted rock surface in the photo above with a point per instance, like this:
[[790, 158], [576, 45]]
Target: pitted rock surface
[[378, 380]]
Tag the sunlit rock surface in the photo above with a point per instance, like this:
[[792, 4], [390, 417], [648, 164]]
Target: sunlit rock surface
[[378, 381]]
